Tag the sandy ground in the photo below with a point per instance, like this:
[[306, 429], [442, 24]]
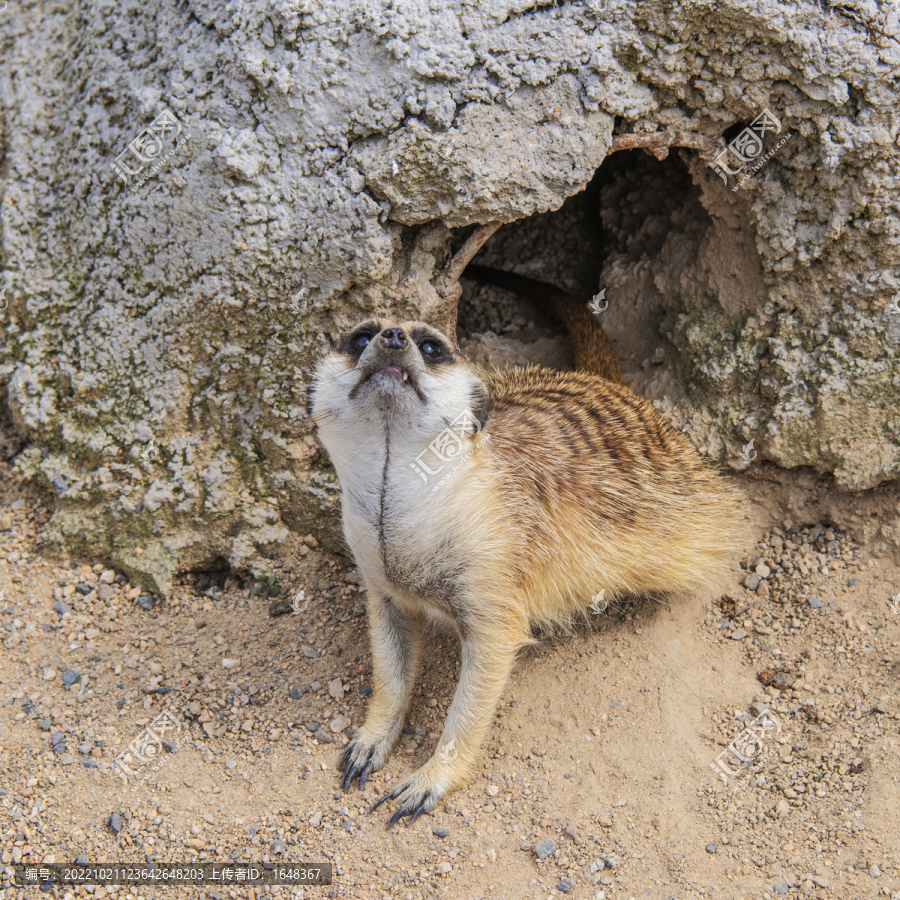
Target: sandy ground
[[605, 742]]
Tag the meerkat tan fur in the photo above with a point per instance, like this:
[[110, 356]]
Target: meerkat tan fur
[[496, 502]]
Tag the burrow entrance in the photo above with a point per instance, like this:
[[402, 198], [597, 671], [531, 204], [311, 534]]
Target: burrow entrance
[[641, 231]]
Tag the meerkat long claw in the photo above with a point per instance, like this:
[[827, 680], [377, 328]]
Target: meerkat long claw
[[379, 802], [410, 809], [416, 814], [348, 777], [344, 757], [353, 769], [397, 816], [347, 781], [413, 808]]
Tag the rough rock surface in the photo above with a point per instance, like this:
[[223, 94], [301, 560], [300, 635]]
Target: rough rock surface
[[161, 329]]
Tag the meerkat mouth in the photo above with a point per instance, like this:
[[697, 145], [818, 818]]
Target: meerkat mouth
[[396, 371], [393, 380]]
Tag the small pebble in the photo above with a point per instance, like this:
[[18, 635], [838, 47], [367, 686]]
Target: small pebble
[[711, 847], [780, 887], [70, 677], [145, 601], [115, 823], [816, 603], [751, 582], [738, 634], [61, 608], [440, 832], [565, 886], [59, 484], [544, 847], [309, 653]]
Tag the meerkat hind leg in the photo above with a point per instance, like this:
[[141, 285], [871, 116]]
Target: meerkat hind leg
[[487, 660], [396, 637]]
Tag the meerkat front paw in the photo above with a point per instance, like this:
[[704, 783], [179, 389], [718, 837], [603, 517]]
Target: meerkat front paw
[[363, 756], [420, 793]]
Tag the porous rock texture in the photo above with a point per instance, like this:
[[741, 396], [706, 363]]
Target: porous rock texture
[[161, 330]]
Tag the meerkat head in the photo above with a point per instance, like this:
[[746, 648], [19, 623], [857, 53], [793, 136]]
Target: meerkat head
[[398, 374]]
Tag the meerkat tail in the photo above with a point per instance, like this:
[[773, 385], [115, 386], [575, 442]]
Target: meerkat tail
[[594, 352]]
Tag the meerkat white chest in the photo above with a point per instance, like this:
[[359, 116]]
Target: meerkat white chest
[[394, 498]]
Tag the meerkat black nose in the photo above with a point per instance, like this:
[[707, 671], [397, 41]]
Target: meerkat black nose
[[393, 339]]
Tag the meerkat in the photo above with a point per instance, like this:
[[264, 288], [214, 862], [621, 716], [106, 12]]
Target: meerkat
[[497, 503]]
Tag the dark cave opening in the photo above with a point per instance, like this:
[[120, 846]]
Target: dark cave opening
[[637, 231]]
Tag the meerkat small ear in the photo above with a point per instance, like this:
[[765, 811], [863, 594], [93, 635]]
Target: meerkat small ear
[[480, 403]]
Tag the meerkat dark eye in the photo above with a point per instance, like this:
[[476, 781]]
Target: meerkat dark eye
[[355, 343], [431, 349]]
